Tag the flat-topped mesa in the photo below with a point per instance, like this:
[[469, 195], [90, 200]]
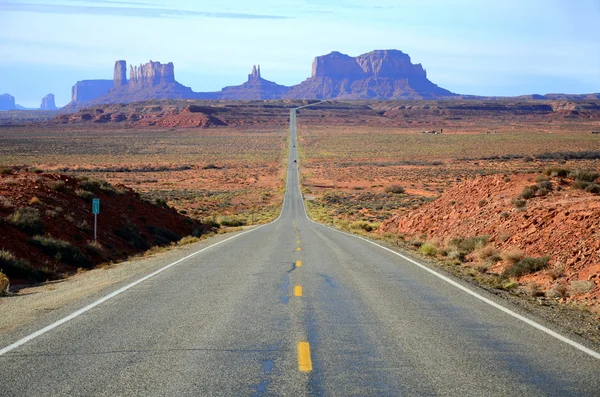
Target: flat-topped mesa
[[120, 74], [7, 102], [151, 74], [379, 63]]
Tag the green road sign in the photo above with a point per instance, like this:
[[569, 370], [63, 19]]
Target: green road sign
[[95, 206]]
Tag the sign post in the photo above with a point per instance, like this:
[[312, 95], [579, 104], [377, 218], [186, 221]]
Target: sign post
[[95, 211]]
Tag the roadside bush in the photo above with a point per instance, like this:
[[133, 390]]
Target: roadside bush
[[578, 287], [468, 245], [34, 201], [11, 266], [4, 284], [395, 189], [231, 222], [512, 256], [556, 291], [428, 249], [527, 265], [519, 203], [61, 250], [363, 225], [163, 236], [132, 235], [28, 220]]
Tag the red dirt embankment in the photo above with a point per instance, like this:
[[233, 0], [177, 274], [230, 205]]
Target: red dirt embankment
[[564, 225], [46, 224]]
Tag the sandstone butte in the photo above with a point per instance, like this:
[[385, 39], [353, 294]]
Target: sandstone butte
[[381, 74], [564, 225]]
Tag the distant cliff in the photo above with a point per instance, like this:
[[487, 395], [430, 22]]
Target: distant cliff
[[86, 90], [7, 102], [48, 103]]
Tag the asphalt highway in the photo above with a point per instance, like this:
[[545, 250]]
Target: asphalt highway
[[295, 308]]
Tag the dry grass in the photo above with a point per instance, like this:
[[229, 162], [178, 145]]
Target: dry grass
[[512, 256], [578, 287], [4, 284]]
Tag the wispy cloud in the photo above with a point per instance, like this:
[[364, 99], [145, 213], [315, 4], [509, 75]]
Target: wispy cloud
[[146, 12]]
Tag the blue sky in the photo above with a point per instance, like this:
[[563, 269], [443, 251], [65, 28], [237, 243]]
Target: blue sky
[[509, 47]]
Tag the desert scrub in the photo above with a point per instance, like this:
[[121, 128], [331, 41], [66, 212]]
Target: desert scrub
[[428, 249], [231, 221], [28, 220], [61, 250], [578, 287], [6, 170], [584, 176], [15, 267], [527, 265], [4, 284], [512, 256], [59, 186], [395, 189], [364, 225], [84, 194], [163, 236], [468, 245], [557, 172]]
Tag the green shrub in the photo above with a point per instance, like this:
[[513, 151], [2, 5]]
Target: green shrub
[[545, 185], [59, 186], [231, 222], [468, 245], [61, 250], [28, 220], [21, 268], [586, 176], [363, 225], [395, 189], [84, 194], [557, 172], [529, 192], [428, 249], [519, 203], [6, 170], [527, 265], [593, 188]]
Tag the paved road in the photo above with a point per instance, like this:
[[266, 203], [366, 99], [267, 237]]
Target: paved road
[[294, 308]]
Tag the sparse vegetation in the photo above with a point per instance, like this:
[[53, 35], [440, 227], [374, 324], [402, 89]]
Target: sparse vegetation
[[395, 189], [4, 284], [578, 287], [428, 249], [526, 265], [12, 266], [84, 194], [28, 220], [61, 250], [59, 186]]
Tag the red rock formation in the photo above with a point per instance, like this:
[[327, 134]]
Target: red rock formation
[[7, 102], [48, 103], [120, 74], [255, 88], [382, 74]]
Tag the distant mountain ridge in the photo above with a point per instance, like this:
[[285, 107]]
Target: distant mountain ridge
[[381, 74], [376, 75]]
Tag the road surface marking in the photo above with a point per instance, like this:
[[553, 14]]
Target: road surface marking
[[298, 290], [304, 361], [298, 241], [298, 263], [298, 249], [92, 305]]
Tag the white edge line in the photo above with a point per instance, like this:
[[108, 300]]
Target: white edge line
[[490, 302], [79, 312], [92, 305]]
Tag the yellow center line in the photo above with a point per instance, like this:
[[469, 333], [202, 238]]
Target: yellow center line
[[298, 249], [298, 241], [298, 290], [298, 263], [304, 361]]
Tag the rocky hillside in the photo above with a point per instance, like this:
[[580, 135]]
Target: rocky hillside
[[541, 228], [46, 224]]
